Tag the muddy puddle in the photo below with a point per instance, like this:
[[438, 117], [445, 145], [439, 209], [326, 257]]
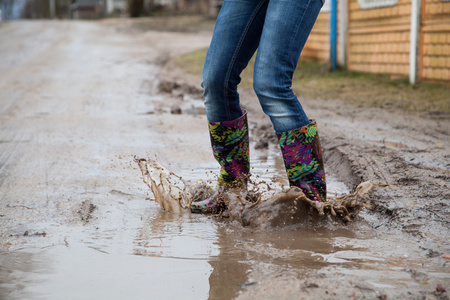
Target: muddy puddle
[[76, 222], [155, 254]]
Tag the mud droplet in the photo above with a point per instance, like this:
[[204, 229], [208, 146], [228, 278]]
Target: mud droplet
[[175, 110]]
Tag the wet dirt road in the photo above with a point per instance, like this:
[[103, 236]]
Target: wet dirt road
[[78, 100]]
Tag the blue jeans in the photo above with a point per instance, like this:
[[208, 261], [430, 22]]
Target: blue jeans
[[278, 29]]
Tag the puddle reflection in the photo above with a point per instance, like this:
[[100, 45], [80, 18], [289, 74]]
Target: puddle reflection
[[165, 234]]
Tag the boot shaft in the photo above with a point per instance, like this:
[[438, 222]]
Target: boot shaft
[[303, 160], [230, 146]]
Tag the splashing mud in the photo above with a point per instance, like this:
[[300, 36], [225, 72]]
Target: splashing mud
[[170, 190], [283, 208]]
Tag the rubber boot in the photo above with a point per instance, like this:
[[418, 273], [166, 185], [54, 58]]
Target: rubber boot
[[302, 156], [229, 141]]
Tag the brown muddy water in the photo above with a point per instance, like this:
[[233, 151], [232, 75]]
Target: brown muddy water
[[162, 255]]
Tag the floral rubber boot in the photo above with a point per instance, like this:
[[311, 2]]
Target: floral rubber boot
[[302, 156], [230, 145]]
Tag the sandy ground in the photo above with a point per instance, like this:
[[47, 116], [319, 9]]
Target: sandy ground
[[78, 100]]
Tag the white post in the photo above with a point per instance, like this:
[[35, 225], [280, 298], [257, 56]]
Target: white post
[[414, 40], [109, 7], [52, 8], [343, 30]]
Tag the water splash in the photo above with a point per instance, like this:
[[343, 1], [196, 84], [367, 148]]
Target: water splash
[[283, 208]]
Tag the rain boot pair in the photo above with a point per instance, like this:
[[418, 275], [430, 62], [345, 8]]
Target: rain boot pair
[[230, 144]]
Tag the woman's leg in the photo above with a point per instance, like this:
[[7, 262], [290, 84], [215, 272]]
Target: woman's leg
[[286, 29], [235, 40]]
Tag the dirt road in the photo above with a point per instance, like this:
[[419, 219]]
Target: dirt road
[[78, 100]]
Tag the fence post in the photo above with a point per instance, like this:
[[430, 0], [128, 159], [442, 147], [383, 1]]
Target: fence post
[[333, 33], [414, 40], [52, 8], [343, 30]]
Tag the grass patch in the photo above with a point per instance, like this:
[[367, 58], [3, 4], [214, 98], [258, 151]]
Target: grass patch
[[313, 80], [192, 63]]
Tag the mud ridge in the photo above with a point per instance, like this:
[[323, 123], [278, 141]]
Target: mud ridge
[[423, 211]]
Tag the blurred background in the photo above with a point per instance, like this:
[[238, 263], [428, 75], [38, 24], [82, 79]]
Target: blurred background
[[403, 39], [94, 9]]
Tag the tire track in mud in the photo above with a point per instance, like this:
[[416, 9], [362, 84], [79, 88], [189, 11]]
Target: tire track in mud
[[10, 144], [415, 198], [19, 104], [73, 94]]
